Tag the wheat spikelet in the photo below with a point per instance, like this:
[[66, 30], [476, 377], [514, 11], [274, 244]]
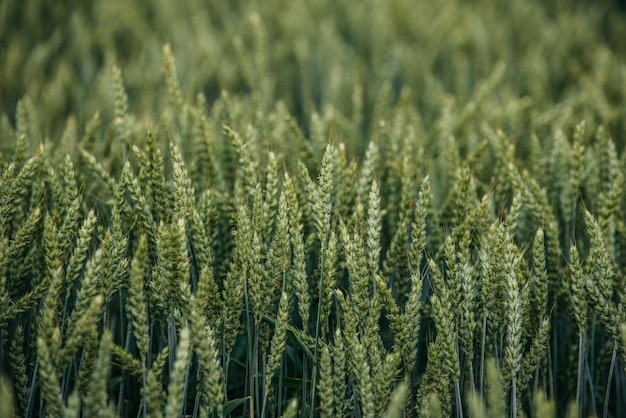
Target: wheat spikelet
[[178, 381], [19, 369], [121, 104], [98, 404], [211, 374], [277, 346], [325, 384], [137, 312], [298, 270]]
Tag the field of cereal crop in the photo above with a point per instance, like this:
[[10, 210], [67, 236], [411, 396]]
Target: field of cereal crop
[[279, 208]]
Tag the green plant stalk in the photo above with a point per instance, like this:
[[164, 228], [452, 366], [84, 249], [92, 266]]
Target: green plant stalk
[[514, 397], [580, 372], [607, 393], [317, 331], [256, 367], [482, 356], [249, 337], [459, 404]]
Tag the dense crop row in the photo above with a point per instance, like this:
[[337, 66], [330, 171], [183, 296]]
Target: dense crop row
[[348, 209]]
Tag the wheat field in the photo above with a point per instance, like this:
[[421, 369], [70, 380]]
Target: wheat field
[[312, 209]]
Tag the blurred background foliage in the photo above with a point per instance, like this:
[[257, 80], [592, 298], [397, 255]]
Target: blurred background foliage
[[317, 53]]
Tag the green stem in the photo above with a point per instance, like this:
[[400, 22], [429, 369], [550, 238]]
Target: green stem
[[317, 333], [250, 372], [579, 380], [607, 394], [514, 398], [482, 357]]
